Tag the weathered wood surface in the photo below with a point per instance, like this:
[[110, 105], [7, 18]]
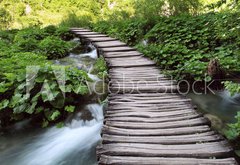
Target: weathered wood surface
[[147, 121]]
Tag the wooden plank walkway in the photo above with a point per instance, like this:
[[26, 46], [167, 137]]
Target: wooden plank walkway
[[147, 122]]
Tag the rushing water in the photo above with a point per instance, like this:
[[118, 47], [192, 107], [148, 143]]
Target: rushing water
[[74, 144]]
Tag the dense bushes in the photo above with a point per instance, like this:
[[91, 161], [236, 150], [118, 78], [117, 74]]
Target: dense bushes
[[54, 47], [42, 93], [48, 41], [189, 43], [234, 131], [30, 86]]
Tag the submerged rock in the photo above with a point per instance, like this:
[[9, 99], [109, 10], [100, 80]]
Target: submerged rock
[[216, 122]]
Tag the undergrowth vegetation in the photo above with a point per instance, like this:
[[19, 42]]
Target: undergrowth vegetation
[[30, 85]]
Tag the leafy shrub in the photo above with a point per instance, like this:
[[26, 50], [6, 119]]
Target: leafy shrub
[[234, 129], [27, 45], [100, 68], [64, 33], [34, 33], [8, 36], [185, 44], [46, 97], [232, 87], [54, 47], [51, 29]]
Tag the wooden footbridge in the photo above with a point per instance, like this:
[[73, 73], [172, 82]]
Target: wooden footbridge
[[147, 122]]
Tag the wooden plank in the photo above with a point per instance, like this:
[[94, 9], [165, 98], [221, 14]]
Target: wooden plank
[[127, 160], [153, 120], [101, 39], [156, 89], [130, 64], [152, 102], [144, 95], [117, 49], [147, 107], [147, 114], [140, 125], [146, 68], [135, 97], [87, 36], [76, 28], [154, 108], [122, 54], [80, 30], [109, 44], [87, 33], [216, 149], [180, 139], [155, 132]]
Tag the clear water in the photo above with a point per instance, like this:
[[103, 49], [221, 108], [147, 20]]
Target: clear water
[[220, 105], [74, 144]]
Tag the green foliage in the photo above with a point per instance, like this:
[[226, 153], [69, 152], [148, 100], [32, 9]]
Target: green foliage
[[27, 40], [70, 109], [54, 47], [74, 13], [100, 68], [184, 6], [30, 86], [74, 21], [5, 18], [221, 5], [149, 8], [234, 129], [64, 33], [186, 44], [233, 88], [41, 94]]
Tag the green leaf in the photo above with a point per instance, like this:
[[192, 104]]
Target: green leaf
[[70, 109], [22, 86], [60, 125], [39, 110], [10, 76], [3, 87], [208, 79], [19, 109], [31, 109], [4, 104], [55, 115], [45, 123], [16, 99], [49, 93], [81, 89]]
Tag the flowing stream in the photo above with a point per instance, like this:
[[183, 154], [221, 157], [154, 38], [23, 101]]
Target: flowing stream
[[74, 144]]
